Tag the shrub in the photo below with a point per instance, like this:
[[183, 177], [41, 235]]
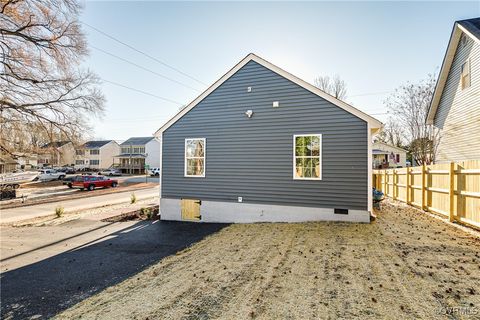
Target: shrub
[[59, 211], [133, 198], [146, 212]]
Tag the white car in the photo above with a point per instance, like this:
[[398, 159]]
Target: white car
[[110, 172], [154, 172], [50, 174]]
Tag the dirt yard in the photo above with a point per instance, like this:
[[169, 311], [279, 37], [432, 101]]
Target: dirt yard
[[405, 265]]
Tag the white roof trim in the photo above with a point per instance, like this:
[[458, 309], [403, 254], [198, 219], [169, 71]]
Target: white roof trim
[[445, 70], [374, 123], [388, 145]]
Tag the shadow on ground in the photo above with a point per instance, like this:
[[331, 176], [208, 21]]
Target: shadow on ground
[[45, 288]]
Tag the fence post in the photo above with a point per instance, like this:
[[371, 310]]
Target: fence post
[[407, 196], [394, 184], [385, 182], [423, 187], [451, 192]]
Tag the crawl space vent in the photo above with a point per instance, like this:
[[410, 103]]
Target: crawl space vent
[[340, 211]]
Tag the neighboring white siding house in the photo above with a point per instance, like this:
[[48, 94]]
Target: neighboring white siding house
[[56, 154], [97, 154], [27, 161], [387, 156], [136, 152], [152, 149], [455, 107]]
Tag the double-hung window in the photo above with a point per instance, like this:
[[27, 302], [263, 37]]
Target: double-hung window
[[307, 159], [466, 79], [195, 157]]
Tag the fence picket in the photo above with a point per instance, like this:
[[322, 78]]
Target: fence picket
[[451, 190]]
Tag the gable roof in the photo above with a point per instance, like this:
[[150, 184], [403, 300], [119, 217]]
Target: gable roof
[[55, 144], [136, 141], [388, 145], [374, 123], [94, 144], [471, 27]]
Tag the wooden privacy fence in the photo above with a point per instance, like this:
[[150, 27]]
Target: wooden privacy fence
[[451, 189]]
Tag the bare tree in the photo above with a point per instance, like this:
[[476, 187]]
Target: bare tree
[[333, 86], [392, 134], [44, 94], [409, 108]]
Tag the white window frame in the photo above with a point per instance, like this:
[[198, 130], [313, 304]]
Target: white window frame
[[468, 74], [320, 156], [204, 158]]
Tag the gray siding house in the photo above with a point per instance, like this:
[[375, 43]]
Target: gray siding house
[[455, 107], [263, 145]]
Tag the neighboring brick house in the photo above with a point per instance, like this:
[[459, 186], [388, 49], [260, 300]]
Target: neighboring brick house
[[99, 154]]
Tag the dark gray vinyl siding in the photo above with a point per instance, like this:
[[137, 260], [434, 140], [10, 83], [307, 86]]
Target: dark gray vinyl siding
[[253, 158]]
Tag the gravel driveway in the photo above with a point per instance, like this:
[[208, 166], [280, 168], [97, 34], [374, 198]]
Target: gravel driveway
[[405, 265]]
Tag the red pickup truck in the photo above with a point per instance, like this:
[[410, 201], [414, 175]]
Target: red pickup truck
[[91, 182]]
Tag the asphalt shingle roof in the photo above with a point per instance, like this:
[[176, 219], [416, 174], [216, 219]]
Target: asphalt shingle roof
[[96, 144], [472, 25], [55, 144], [135, 141]]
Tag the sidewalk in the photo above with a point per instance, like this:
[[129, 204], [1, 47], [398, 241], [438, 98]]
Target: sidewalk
[[8, 216]]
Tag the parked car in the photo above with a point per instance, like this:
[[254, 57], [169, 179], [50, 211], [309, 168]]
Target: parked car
[[91, 182], [50, 174], [69, 181], [154, 172], [110, 172], [66, 170], [69, 170]]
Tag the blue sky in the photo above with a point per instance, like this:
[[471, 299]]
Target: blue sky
[[373, 46]]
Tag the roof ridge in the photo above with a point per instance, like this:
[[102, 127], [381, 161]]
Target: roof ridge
[[281, 72]]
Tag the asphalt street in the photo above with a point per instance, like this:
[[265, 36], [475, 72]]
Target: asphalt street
[[14, 215]]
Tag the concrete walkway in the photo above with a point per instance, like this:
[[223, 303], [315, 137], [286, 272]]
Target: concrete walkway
[[15, 215]]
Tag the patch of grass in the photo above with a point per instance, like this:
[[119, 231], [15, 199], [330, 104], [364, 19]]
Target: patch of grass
[[59, 211], [147, 212], [133, 198]]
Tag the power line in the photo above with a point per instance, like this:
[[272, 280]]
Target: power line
[[370, 94], [143, 68], [143, 53], [143, 92]]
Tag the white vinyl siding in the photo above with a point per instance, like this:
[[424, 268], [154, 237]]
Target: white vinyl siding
[[466, 79], [195, 151], [307, 159], [458, 113]]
